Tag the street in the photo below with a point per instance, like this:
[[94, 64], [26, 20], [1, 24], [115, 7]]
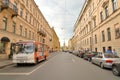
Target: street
[[59, 66]]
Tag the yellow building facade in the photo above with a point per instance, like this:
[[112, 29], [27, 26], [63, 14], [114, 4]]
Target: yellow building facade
[[98, 26], [55, 41], [21, 20]]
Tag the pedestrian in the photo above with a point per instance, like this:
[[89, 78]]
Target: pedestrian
[[108, 51], [114, 52]]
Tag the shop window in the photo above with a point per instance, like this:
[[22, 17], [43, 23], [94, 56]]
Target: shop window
[[2, 48], [104, 50]]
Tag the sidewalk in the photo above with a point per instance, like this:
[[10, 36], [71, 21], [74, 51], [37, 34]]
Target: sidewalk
[[4, 63]]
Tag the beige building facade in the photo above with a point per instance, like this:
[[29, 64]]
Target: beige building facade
[[98, 26], [55, 41], [71, 43], [21, 20]]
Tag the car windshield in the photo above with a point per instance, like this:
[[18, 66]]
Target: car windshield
[[24, 48], [111, 56]]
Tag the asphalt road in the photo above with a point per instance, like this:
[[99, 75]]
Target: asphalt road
[[59, 66]]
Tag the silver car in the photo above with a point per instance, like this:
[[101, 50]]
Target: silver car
[[105, 60]]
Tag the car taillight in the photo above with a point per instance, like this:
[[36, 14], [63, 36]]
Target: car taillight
[[109, 61]]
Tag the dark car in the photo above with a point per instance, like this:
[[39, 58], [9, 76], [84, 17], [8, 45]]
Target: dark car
[[81, 53], [88, 55], [116, 68]]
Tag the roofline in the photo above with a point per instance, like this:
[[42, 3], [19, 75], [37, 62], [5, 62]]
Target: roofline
[[81, 13]]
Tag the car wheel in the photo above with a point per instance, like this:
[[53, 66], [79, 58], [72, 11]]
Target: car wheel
[[115, 71], [92, 61], [36, 61], [102, 65], [45, 58]]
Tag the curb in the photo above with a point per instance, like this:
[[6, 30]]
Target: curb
[[6, 65]]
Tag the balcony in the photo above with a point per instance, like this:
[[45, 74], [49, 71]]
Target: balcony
[[41, 32], [6, 4]]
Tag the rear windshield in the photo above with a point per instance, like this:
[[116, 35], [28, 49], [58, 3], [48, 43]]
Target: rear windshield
[[111, 56]]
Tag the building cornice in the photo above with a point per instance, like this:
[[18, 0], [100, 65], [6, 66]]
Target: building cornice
[[81, 13]]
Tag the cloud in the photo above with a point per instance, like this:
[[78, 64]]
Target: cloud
[[61, 14]]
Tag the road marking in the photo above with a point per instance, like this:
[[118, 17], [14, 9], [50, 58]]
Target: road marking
[[73, 60], [41, 65], [26, 74], [13, 73]]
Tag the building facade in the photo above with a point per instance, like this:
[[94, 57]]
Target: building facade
[[98, 26], [55, 41], [21, 20]]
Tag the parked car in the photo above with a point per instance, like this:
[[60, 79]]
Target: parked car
[[116, 68], [81, 53], [88, 55], [76, 52], [105, 60], [70, 51]]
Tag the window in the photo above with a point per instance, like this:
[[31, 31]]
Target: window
[[87, 41], [94, 20], [90, 40], [103, 36], [117, 31], [21, 30], [106, 11], [89, 12], [84, 20], [30, 7], [15, 6], [38, 38], [2, 48], [30, 34], [5, 23], [109, 34], [95, 49], [104, 50], [90, 26], [43, 41], [25, 32], [101, 16], [14, 27], [114, 5], [27, 3], [21, 12], [26, 17], [93, 6], [30, 20], [87, 28], [95, 39]]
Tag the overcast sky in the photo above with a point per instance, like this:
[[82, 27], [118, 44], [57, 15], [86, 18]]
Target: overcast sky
[[62, 15]]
